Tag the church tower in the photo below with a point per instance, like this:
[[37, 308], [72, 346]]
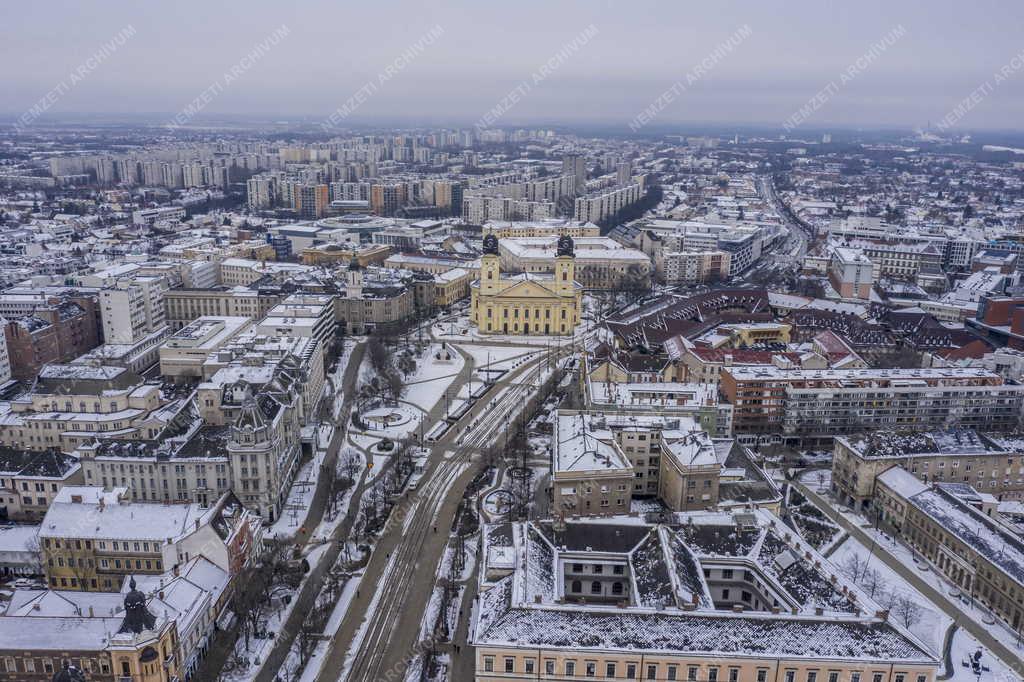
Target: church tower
[[354, 278], [565, 267], [490, 266]]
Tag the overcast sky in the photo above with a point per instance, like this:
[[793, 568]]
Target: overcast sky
[[487, 48]]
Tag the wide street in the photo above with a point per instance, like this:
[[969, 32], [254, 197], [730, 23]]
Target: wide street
[[382, 627]]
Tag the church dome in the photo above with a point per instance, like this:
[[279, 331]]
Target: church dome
[[565, 246], [491, 245]]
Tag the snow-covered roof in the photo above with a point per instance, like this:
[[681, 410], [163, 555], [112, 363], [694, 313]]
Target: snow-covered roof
[[669, 607], [90, 512]]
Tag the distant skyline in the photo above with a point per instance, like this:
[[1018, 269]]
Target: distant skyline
[[485, 51]]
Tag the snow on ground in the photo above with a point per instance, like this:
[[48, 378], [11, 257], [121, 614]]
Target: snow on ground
[[907, 557], [964, 648], [379, 460], [499, 357], [330, 522], [433, 376], [338, 376], [406, 420], [462, 330], [319, 655], [300, 497], [931, 629], [818, 480]]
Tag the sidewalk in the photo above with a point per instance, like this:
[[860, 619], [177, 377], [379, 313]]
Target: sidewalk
[[980, 631]]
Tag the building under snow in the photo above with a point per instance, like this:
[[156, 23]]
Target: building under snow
[[709, 596]]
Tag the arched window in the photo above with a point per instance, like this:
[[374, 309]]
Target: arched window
[[577, 586], [595, 587]]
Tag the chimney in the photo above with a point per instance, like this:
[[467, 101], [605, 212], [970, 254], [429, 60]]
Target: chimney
[[90, 611]]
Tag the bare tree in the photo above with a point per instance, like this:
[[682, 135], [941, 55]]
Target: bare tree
[[853, 566], [908, 611], [873, 582]]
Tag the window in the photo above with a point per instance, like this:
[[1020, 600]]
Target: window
[[489, 664], [631, 671], [609, 670], [901, 677], [712, 674], [734, 674], [549, 667], [591, 669], [877, 677], [762, 675], [510, 665], [570, 667], [528, 665], [652, 672], [833, 676], [790, 676], [672, 672], [812, 676]]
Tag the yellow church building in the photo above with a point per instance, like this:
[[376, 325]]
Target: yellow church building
[[526, 303]]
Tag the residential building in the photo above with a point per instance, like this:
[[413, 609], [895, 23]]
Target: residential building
[[94, 538], [851, 273], [30, 479], [58, 330], [73, 404], [814, 405], [133, 308], [991, 463]]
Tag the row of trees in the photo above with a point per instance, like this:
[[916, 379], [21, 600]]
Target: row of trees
[[901, 606]]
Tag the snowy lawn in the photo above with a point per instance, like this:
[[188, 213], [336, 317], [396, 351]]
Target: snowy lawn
[[300, 497], [875, 575]]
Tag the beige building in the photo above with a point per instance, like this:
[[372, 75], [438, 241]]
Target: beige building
[[527, 303], [601, 262], [851, 273], [694, 266], [991, 463], [366, 303], [714, 597], [74, 404], [246, 444], [185, 305], [184, 353], [600, 462], [30, 479], [93, 538], [949, 524]]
